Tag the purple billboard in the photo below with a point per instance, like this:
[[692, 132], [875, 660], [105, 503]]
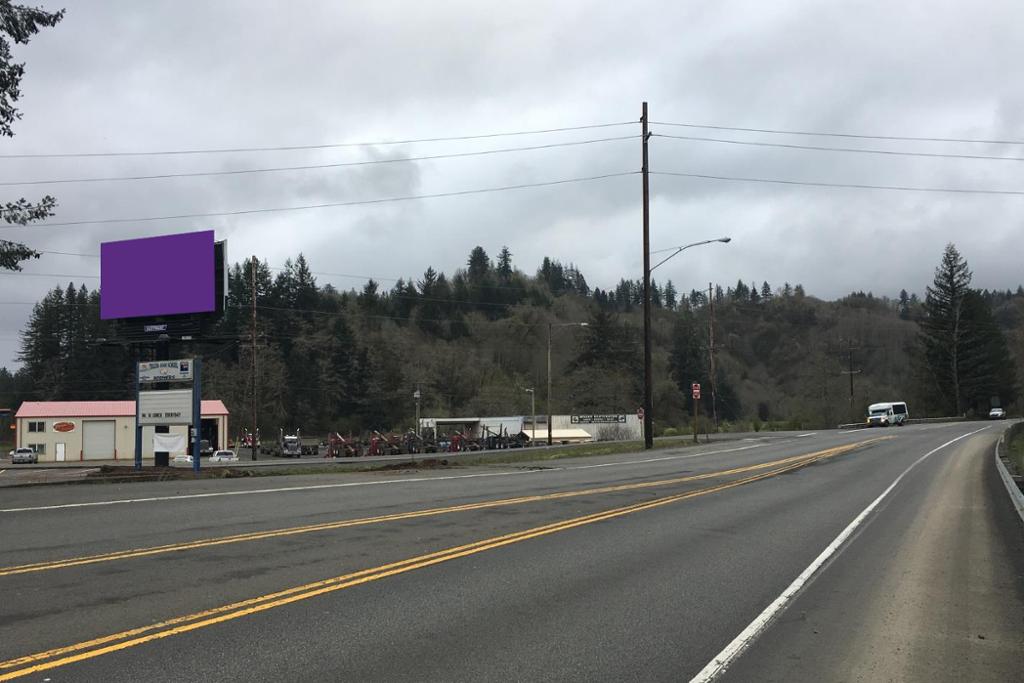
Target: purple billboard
[[157, 276]]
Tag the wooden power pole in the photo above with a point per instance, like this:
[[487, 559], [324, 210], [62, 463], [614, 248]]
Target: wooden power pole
[[648, 373], [252, 434], [711, 356]]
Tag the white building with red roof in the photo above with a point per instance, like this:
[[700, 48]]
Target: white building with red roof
[[61, 431]]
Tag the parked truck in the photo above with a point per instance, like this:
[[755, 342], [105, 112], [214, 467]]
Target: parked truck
[[290, 444]]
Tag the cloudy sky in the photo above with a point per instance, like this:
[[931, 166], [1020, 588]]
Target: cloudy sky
[[157, 76]]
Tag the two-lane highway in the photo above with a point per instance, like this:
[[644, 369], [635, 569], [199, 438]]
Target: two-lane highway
[[864, 555]]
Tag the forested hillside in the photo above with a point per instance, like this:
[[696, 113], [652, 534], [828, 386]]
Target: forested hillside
[[475, 340]]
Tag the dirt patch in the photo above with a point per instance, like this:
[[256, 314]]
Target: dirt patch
[[111, 474], [428, 464]]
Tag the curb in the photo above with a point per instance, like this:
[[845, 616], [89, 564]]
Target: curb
[[1011, 486]]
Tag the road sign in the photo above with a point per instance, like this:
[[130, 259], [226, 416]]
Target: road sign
[[166, 371], [640, 413], [596, 419], [695, 387]]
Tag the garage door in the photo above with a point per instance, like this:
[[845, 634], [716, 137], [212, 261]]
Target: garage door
[[98, 440]]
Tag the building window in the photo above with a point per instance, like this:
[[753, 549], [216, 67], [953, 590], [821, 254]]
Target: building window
[[39, 448], [37, 426]]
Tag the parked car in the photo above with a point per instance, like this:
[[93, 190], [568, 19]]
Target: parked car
[[224, 456], [23, 455], [183, 458], [996, 414]]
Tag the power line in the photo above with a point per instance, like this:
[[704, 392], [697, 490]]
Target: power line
[[857, 186], [856, 136], [275, 169], [287, 148], [839, 149], [60, 275], [361, 202]]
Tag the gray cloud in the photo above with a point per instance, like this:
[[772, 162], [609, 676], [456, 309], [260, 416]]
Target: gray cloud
[[133, 76]]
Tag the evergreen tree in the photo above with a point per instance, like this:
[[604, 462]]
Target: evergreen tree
[[504, 264], [671, 296], [479, 266], [903, 306], [943, 328], [766, 291]]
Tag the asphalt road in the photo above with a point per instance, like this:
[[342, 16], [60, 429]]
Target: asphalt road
[[837, 556]]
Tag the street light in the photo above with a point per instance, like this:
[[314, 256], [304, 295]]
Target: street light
[[533, 409], [551, 325], [648, 372], [677, 250]]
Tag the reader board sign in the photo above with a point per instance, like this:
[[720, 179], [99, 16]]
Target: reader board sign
[[597, 419], [165, 407], [166, 371], [157, 276]]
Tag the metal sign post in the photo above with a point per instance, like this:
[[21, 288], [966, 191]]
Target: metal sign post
[[197, 417], [695, 388], [138, 426]]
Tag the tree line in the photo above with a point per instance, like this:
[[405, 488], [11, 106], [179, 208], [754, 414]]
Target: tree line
[[474, 341]]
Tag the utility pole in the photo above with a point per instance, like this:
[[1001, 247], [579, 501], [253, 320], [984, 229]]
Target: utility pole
[[533, 409], [648, 373], [416, 395], [252, 434], [851, 373], [711, 356], [549, 384]]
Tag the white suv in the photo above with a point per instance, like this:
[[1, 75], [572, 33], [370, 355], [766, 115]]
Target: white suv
[[996, 414]]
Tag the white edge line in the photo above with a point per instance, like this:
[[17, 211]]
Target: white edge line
[[313, 487], [720, 662], [1011, 487]]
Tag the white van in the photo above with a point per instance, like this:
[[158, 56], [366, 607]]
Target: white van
[[887, 414]]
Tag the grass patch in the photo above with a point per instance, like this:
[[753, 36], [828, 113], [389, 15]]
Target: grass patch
[[1015, 450]]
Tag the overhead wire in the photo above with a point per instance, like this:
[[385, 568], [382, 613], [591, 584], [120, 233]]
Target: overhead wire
[[361, 202], [857, 186], [288, 148], [757, 143], [275, 169], [857, 136]]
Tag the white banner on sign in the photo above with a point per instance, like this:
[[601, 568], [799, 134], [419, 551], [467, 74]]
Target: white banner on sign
[[169, 443], [166, 370], [165, 407]]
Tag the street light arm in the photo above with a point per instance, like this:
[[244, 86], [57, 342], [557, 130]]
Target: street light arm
[[678, 250]]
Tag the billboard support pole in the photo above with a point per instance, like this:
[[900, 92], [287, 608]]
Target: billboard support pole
[[138, 427], [197, 413]]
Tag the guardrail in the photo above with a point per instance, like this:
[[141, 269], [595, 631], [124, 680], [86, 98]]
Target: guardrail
[[911, 421], [1012, 488]]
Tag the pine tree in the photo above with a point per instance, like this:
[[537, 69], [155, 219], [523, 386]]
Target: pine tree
[[755, 297], [479, 266], [942, 326], [903, 306], [671, 296], [504, 264], [766, 291]]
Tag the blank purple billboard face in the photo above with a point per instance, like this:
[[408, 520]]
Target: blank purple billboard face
[[156, 276]]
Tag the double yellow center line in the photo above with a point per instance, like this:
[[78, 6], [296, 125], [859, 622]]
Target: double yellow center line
[[430, 512], [62, 656]]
